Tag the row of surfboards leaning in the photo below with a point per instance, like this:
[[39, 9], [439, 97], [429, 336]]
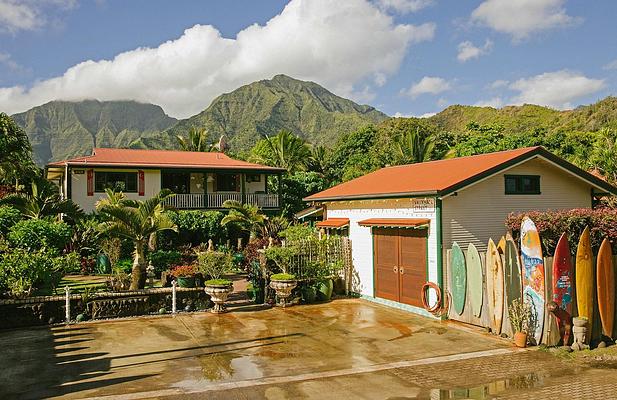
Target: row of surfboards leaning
[[512, 274]]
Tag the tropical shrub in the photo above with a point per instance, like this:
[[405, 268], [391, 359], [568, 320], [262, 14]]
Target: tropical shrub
[[298, 232], [9, 216], [282, 257], [214, 264], [36, 234], [124, 265], [194, 227], [602, 224], [162, 260], [184, 271], [23, 270]]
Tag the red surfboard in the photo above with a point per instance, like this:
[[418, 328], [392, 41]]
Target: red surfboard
[[562, 274]]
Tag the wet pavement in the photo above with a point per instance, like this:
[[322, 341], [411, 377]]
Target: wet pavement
[[344, 349]]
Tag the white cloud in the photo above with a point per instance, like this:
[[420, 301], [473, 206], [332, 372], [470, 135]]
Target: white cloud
[[404, 6], [520, 18], [442, 102], [27, 15], [425, 115], [428, 85], [555, 89], [611, 65], [495, 102], [499, 83], [340, 45], [467, 50]]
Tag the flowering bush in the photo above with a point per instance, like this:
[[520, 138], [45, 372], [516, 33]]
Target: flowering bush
[[602, 223], [184, 271]]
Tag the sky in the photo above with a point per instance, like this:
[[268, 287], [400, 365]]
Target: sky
[[404, 57]]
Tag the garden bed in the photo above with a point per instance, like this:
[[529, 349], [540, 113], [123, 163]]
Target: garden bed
[[43, 310]]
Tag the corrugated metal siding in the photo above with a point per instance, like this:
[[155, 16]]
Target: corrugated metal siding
[[362, 239], [479, 211]]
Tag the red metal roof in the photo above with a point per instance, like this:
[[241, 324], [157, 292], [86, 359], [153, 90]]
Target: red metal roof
[[333, 223], [403, 222], [159, 158], [442, 176]]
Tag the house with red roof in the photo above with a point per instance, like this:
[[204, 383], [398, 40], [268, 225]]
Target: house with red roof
[[200, 180], [402, 219]]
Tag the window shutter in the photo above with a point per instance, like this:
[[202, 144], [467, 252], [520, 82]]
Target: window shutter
[[141, 184], [90, 182]]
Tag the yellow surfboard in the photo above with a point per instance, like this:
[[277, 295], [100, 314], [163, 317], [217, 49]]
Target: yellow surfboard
[[584, 277], [501, 246]]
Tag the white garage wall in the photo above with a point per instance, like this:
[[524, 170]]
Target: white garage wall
[[362, 240]]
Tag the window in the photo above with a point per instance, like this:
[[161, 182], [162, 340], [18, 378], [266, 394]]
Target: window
[[227, 183], [177, 182], [253, 178], [118, 181], [522, 184]]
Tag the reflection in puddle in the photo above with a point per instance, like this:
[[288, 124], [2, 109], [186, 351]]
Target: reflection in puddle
[[487, 391]]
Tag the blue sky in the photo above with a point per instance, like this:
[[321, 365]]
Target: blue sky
[[405, 57]]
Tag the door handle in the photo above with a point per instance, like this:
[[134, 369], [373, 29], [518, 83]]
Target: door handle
[[402, 270], [395, 269]]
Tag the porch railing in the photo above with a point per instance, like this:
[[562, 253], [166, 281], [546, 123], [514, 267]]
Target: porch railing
[[216, 200]]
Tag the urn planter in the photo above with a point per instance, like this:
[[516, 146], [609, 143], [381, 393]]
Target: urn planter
[[283, 288], [218, 294], [520, 339]]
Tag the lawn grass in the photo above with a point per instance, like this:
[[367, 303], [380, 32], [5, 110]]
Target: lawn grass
[[77, 284]]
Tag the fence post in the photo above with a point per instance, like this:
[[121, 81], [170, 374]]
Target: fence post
[[173, 296], [67, 304]]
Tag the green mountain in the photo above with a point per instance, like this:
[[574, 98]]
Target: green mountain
[[265, 107], [63, 129], [527, 118]]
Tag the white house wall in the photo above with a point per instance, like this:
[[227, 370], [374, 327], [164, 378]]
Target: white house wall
[[362, 239], [79, 187], [479, 212]]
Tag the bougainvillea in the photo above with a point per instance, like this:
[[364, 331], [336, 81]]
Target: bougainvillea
[[602, 223]]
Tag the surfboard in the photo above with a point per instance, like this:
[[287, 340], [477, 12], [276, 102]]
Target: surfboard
[[459, 278], [584, 278], [562, 274], [501, 246], [533, 275], [474, 279], [606, 287], [494, 286], [512, 271]]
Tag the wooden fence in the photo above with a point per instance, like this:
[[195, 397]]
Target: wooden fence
[[335, 251], [550, 335]]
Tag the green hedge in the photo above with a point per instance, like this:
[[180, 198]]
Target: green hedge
[[36, 234], [194, 227], [163, 260], [9, 216], [602, 224]]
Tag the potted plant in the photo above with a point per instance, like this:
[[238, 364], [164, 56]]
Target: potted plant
[[519, 312], [283, 283], [185, 275], [214, 264], [324, 274]]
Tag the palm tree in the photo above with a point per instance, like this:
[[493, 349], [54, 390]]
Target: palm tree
[[137, 221], [196, 141], [246, 217], [43, 201], [318, 159], [413, 147], [285, 150]]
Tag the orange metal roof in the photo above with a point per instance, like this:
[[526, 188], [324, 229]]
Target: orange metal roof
[[404, 222], [333, 223], [159, 158], [442, 176]]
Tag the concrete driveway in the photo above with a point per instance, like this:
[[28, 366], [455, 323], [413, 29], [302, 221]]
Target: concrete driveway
[[202, 352]]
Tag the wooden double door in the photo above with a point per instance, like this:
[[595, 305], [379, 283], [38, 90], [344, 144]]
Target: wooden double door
[[400, 263]]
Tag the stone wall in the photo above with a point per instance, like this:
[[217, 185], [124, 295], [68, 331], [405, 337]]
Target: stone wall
[[43, 310]]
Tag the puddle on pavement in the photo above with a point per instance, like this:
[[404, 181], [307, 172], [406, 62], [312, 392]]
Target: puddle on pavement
[[489, 390]]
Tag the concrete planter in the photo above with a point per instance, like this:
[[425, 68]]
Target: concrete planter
[[218, 294], [283, 290]]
